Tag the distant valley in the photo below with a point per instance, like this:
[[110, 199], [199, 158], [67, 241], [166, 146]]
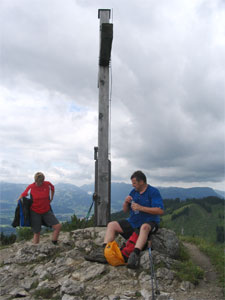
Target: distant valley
[[70, 199]]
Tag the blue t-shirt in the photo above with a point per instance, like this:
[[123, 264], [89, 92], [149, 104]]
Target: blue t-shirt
[[150, 198]]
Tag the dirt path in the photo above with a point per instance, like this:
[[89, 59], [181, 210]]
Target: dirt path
[[208, 288], [202, 261]]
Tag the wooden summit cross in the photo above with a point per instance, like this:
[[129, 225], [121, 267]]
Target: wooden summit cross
[[102, 194]]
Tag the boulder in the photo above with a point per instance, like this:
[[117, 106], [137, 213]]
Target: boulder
[[166, 242]]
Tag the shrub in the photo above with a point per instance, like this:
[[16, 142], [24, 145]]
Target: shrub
[[45, 293], [24, 233], [77, 223], [7, 239], [220, 234]]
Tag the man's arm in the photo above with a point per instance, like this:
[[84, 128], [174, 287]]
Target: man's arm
[[148, 210], [51, 195], [52, 191], [25, 193], [126, 204]]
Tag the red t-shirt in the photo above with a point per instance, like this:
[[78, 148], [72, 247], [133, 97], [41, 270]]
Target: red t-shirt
[[40, 195]]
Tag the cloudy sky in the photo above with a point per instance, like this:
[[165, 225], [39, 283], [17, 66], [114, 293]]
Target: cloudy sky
[[167, 104]]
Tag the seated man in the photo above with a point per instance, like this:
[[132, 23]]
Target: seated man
[[145, 205]]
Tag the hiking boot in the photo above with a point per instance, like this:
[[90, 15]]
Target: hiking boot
[[133, 261], [97, 255]]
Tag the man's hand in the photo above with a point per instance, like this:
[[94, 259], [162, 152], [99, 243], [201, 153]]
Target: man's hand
[[19, 198], [135, 206], [126, 203], [128, 199]]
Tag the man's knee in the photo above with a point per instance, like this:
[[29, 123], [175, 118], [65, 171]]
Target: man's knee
[[146, 228], [57, 227], [114, 226]]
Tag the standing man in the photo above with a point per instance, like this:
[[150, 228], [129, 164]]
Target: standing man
[[145, 206], [42, 193]]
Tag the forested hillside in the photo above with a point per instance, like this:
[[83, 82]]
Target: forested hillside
[[196, 217]]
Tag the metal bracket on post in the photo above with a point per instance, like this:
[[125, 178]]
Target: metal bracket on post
[[96, 198], [95, 153], [95, 194], [104, 10]]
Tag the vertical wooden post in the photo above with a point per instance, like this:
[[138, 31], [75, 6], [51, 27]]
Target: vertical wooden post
[[103, 168]]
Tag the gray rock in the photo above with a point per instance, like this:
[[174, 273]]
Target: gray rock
[[146, 294], [166, 242], [28, 283], [165, 274], [69, 297], [164, 296], [28, 268], [186, 286], [72, 287], [19, 292]]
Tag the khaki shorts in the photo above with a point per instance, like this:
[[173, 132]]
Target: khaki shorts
[[37, 220]]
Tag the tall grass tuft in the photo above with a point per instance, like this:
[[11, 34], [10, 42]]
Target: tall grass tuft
[[24, 233]]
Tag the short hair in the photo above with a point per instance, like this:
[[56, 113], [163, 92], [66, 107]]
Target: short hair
[[39, 177], [139, 175]]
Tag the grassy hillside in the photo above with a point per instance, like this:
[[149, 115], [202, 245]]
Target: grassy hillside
[[196, 218]]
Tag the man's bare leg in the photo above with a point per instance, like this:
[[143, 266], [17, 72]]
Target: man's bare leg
[[56, 231], [112, 229], [143, 236], [36, 238], [97, 255], [134, 259]]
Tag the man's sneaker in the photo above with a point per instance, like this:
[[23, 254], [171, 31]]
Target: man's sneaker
[[97, 255], [133, 261]]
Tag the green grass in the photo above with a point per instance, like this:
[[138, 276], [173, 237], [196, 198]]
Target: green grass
[[34, 284], [45, 293], [214, 251], [185, 269]]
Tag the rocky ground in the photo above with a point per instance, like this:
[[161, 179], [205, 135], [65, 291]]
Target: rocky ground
[[46, 271]]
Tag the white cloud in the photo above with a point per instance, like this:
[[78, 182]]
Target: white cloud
[[40, 131], [168, 75]]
